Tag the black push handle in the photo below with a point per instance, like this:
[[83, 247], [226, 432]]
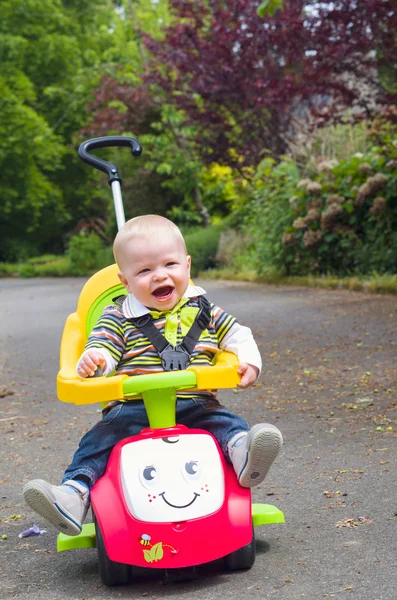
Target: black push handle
[[107, 142]]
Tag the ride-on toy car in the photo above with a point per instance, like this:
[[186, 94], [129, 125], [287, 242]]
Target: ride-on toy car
[[168, 499]]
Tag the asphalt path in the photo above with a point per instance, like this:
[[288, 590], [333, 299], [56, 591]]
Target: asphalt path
[[328, 382]]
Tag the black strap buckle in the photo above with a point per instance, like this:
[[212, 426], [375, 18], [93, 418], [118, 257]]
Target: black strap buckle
[[142, 320], [174, 358]]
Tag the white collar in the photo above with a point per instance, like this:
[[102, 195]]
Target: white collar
[[131, 307]]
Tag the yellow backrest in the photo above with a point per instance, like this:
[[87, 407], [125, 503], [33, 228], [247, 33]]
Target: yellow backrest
[[97, 293]]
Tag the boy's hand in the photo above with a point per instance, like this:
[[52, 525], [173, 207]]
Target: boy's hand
[[89, 362], [249, 374]]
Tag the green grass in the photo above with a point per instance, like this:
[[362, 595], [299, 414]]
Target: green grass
[[43, 259], [377, 284], [43, 266], [8, 269], [52, 265], [59, 266]]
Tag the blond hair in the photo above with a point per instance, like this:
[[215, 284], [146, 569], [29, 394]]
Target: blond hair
[[146, 226]]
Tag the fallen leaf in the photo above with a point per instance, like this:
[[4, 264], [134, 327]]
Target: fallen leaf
[[348, 588], [354, 522], [5, 393], [350, 471]]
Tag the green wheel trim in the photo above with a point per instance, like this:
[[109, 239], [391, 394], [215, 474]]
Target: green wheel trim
[[86, 539], [264, 514]]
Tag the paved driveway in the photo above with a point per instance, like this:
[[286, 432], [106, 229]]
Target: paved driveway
[[329, 383]]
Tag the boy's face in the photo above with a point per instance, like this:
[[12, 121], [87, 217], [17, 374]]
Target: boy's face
[[156, 271]]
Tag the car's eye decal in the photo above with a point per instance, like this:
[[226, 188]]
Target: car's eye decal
[[149, 476], [149, 473], [191, 467], [192, 471]]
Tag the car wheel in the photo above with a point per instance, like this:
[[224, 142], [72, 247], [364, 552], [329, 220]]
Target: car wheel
[[111, 572], [243, 558]]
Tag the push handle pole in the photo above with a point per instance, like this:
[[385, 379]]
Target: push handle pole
[[108, 167], [118, 203]]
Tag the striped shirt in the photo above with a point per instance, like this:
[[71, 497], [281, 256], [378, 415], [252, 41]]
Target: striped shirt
[[129, 352]]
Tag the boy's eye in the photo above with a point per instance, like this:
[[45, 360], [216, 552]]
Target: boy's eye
[[143, 271], [170, 263]]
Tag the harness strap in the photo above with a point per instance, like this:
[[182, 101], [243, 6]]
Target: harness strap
[[146, 325], [201, 322], [175, 358]]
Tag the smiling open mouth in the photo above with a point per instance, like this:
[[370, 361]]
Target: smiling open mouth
[[174, 505], [163, 293]]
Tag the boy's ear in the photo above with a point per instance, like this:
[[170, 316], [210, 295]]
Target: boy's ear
[[189, 262], [123, 280]]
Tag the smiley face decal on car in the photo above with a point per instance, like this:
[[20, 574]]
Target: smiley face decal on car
[[172, 478]]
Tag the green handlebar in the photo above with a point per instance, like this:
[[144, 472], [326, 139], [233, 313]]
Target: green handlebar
[[159, 381], [159, 394]]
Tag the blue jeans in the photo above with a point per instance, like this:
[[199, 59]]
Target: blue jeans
[[129, 418]]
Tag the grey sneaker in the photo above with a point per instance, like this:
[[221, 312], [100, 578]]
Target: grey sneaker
[[253, 454], [62, 507]]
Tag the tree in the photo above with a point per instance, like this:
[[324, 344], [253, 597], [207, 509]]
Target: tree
[[243, 79], [170, 158], [237, 84], [167, 177], [52, 53], [118, 103]]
